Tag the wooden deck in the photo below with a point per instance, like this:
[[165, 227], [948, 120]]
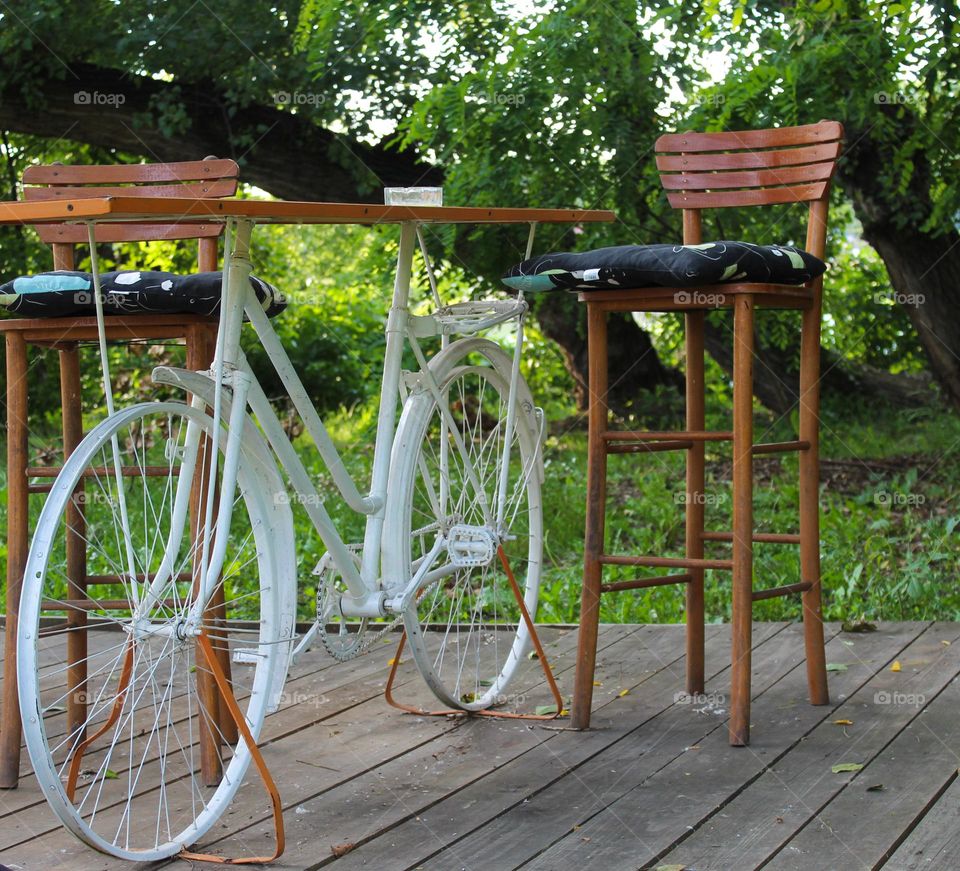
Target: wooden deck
[[654, 782]]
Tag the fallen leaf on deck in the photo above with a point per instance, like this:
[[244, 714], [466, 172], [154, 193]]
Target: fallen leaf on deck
[[895, 666], [858, 626], [339, 850], [842, 767], [599, 683], [671, 867], [543, 710], [393, 661], [843, 722], [622, 693], [836, 666], [945, 643], [877, 787], [533, 655]]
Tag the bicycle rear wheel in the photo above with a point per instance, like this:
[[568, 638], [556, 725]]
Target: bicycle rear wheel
[[138, 756], [465, 627]]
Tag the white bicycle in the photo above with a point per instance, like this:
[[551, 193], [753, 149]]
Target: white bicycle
[[178, 517]]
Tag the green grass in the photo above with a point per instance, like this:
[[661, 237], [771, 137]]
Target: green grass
[[889, 526]]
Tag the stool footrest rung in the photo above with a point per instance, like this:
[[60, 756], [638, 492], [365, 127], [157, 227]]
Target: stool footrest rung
[[648, 447], [786, 590], [767, 537], [624, 435], [665, 562], [641, 583], [781, 447], [86, 605], [104, 471]]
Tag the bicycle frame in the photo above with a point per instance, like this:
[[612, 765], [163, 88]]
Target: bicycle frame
[[230, 369]]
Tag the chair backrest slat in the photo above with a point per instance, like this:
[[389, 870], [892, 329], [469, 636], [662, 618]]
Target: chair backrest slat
[[751, 140], [749, 178], [711, 161], [132, 173], [209, 178], [224, 187], [749, 168], [767, 196]]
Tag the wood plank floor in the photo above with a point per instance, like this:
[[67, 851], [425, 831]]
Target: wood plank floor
[[652, 783]]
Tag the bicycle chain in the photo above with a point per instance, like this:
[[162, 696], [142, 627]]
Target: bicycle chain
[[370, 638]]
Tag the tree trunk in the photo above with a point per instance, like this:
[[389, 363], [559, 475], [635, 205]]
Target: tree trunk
[[776, 375], [633, 361], [925, 274], [924, 268]]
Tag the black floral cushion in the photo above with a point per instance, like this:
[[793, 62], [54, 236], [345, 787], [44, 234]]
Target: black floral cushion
[[665, 266], [65, 294]]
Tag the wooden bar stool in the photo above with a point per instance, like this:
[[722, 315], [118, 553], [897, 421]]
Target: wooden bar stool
[[203, 178], [698, 171]]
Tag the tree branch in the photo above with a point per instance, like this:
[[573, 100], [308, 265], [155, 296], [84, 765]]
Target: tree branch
[[286, 154]]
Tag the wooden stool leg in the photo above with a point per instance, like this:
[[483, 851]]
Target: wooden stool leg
[[696, 421], [596, 508], [76, 551], [810, 506], [203, 341], [210, 737], [208, 695], [17, 544], [742, 595]]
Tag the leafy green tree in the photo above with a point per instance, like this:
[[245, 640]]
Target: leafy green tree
[[888, 71]]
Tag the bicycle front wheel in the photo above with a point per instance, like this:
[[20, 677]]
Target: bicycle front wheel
[[129, 736], [465, 627]]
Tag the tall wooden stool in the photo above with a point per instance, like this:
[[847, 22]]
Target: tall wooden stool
[[698, 171], [202, 178]]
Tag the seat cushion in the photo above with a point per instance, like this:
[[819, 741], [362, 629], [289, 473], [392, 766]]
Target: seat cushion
[[630, 266], [66, 294]]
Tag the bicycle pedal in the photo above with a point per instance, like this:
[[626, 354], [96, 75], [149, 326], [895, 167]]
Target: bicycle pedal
[[247, 657], [470, 546]]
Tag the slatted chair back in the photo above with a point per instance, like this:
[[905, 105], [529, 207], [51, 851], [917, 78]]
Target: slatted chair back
[[211, 177], [751, 168]]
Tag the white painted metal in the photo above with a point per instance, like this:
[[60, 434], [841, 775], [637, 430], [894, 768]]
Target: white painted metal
[[388, 579], [108, 387], [273, 534], [386, 418], [419, 408], [306, 409]]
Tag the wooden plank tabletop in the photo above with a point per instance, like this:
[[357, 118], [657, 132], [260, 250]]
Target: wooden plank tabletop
[[191, 210]]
